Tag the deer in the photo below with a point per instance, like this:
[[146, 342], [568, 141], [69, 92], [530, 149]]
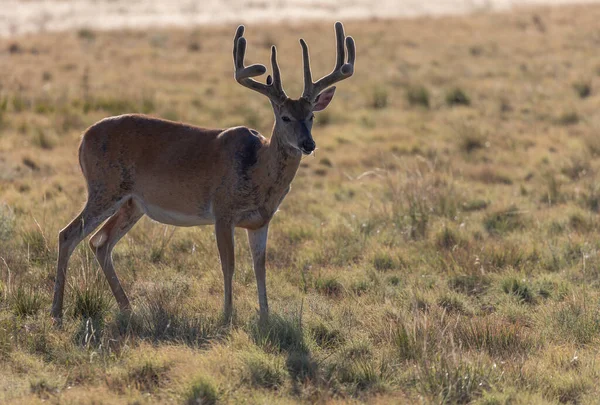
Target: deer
[[183, 175]]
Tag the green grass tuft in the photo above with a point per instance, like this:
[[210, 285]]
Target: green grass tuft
[[202, 392], [457, 97]]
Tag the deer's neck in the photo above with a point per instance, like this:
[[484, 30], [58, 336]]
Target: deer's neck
[[281, 163], [283, 160]]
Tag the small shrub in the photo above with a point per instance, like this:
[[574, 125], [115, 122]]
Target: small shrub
[[202, 392], [457, 97], [583, 89], [519, 289], [418, 96]]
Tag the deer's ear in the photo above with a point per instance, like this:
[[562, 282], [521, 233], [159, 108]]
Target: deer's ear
[[324, 98]]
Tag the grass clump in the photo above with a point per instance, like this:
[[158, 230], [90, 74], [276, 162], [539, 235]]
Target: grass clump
[[418, 96], [264, 370], [583, 89], [43, 140], [470, 139], [474, 205], [518, 289], [7, 222], [202, 392], [568, 118], [379, 98], [447, 239], [358, 375], [453, 303], [147, 375], [383, 261], [469, 284], [504, 221], [448, 381], [576, 322], [92, 299], [43, 388], [329, 286], [25, 301], [325, 336], [280, 333], [457, 97], [494, 335]]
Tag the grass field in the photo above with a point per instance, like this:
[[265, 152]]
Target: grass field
[[440, 247]]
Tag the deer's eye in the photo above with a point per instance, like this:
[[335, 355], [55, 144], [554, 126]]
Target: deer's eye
[[286, 119], [312, 117]]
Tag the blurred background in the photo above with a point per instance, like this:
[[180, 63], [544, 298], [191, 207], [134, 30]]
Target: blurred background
[[441, 245], [21, 16]]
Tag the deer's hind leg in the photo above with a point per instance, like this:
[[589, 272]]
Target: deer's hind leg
[[103, 242], [97, 210]]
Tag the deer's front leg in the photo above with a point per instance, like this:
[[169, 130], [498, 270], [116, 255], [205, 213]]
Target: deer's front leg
[[257, 240], [224, 234]]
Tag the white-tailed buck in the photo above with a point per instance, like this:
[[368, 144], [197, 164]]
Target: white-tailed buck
[[183, 175]]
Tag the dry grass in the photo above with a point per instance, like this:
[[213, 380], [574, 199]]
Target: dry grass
[[439, 248]]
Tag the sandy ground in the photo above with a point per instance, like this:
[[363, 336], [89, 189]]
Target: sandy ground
[[24, 16]]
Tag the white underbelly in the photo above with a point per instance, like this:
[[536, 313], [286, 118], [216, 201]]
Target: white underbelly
[[171, 217]]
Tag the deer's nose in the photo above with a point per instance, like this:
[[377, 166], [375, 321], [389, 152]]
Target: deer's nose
[[308, 146]]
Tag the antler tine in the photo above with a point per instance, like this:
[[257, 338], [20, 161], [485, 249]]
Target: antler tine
[[276, 73], [339, 40], [340, 72], [307, 73], [243, 74]]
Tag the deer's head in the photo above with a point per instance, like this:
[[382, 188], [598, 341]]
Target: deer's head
[[294, 117]]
